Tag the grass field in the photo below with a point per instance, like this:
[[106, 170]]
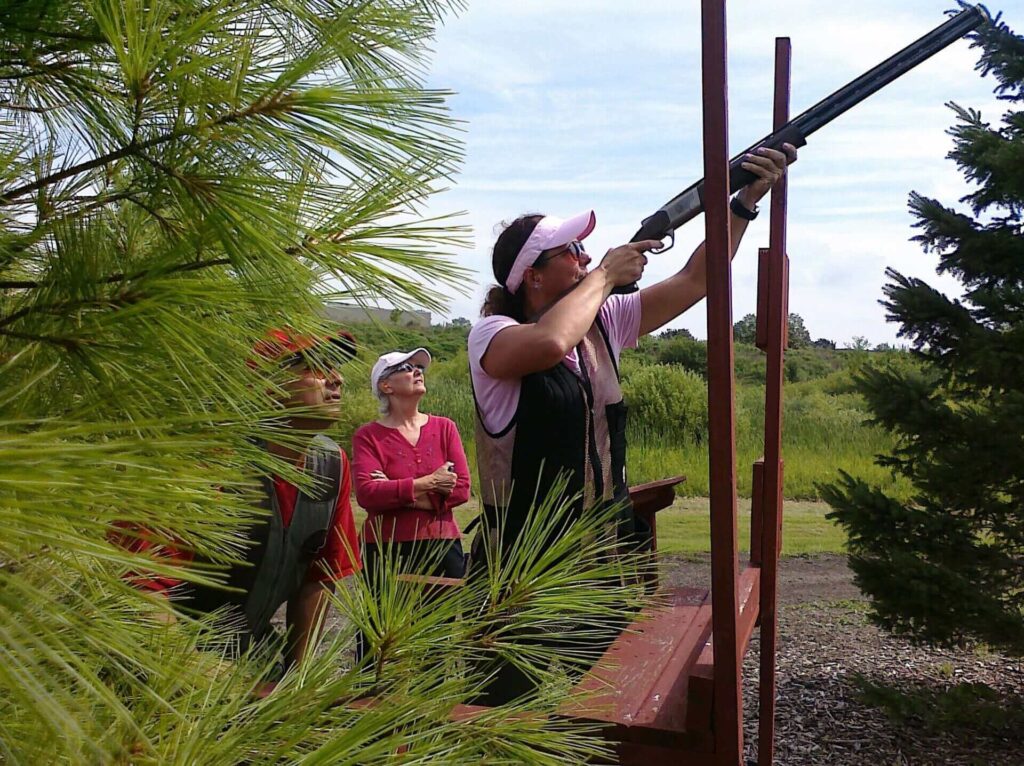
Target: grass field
[[684, 528]]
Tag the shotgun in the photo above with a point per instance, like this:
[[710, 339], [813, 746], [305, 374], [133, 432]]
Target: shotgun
[[689, 203]]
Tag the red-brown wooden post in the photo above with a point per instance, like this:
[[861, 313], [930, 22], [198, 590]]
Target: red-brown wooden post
[[728, 702], [775, 327], [757, 512]]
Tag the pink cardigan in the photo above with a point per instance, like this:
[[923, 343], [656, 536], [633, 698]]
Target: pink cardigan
[[388, 503]]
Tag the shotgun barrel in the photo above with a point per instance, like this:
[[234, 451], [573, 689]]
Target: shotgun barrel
[[689, 203]]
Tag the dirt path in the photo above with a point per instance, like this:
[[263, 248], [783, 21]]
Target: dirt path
[[802, 579]]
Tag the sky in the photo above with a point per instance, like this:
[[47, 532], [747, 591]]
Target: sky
[[569, 105]]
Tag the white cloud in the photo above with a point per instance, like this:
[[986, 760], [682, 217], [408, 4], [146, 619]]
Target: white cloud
[[596, 103]]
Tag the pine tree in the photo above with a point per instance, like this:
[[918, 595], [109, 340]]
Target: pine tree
[[947, 564], [177, 177]]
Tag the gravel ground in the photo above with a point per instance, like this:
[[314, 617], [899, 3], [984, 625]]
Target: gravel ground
[[829, 654]]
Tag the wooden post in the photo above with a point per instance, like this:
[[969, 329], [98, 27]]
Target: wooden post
[[775, 328], [728, 702], [757, 512]]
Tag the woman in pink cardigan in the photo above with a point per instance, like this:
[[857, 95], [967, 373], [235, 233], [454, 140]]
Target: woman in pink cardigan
[[410, 471]]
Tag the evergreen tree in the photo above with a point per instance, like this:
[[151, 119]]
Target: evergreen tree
[[745, 330], [798, 335], [179, 176], [947, 564]]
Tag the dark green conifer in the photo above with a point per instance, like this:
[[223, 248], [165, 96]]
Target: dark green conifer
[[947, 564]]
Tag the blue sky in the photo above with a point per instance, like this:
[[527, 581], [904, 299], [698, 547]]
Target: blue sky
[[596, 104]]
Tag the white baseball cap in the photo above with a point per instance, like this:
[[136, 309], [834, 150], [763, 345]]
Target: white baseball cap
[[385, 362]]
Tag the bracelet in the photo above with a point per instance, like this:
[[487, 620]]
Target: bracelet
[[741, 210]]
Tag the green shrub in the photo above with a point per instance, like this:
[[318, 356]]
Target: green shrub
[[453, 399], [804, 364], [749, 364], [667, 401], [689, 354], [358, 405]]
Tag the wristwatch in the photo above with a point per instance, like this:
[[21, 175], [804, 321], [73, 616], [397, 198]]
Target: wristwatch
[[741, 210]]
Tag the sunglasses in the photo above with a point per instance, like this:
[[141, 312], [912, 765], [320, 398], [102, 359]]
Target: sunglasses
[[405, 367], [574, 248]]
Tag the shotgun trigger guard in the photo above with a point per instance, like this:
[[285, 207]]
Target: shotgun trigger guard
[[671, 243]]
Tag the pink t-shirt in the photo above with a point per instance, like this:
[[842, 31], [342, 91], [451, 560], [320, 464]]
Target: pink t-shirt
[[498, 398]]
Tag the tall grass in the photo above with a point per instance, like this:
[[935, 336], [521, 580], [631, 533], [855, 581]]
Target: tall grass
[[821, 433]]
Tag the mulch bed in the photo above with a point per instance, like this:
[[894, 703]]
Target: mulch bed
[[839, 681]]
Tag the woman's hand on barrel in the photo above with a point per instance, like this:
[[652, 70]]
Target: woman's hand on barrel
[[769, 165]]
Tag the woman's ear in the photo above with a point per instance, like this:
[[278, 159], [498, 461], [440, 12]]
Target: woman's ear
[[531, 279]]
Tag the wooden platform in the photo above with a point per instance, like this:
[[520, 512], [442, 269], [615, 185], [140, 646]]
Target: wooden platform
[[652, 691]]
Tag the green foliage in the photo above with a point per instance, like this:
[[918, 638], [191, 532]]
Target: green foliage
[[687, 353], [666, 401], [443, 342], [944, 564], [178, 178], [797, 333], [750, 364], [808, 363], [745, 330], [679, 332]]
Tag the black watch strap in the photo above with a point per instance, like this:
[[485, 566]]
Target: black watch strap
[[741, 210]]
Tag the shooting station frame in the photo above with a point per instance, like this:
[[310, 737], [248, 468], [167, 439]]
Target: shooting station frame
[[669, 688], [685, 705]]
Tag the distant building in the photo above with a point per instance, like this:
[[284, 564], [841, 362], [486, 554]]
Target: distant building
[[350, 313]]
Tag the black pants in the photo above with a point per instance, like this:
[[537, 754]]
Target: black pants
[[435, 558]]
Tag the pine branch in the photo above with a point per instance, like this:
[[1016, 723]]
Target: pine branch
[[126, 299], [96, 162], [46, 69], [263, 106], [115, 278], [30, 109], [57, 35], [68, 344]]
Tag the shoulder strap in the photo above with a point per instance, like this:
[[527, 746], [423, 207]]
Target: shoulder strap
[[607, 343], [323, 463]]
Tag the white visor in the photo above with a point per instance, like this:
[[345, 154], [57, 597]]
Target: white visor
[[549, 232]]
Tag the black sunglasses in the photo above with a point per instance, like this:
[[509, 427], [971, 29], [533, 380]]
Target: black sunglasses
[[574, 248], [405, 367]]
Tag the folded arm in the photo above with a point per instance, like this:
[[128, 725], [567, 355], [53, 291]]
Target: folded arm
[[374, 493]]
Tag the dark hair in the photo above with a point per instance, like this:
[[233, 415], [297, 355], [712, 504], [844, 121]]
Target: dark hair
[[511, 240]]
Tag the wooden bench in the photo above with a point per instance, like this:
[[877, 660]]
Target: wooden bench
[[651, 693]]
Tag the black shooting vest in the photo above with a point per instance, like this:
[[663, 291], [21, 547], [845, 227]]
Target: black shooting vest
[[278, 558], [566, 425]]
